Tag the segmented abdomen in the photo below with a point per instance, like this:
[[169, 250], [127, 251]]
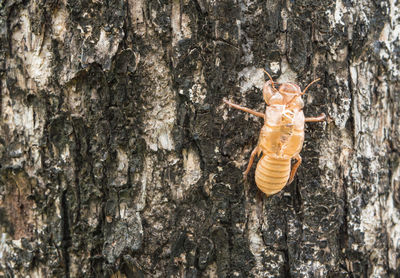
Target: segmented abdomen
[[272, 174]]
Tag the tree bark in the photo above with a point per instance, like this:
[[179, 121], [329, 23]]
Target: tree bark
[[120, 159]]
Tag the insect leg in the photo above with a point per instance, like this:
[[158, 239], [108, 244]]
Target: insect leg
[[294, 169], [253, 153], [320, 118], [255, 113]]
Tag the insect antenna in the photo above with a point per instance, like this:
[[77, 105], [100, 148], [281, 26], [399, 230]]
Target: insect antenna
[[302, 93], [316, 80], [272, 81]]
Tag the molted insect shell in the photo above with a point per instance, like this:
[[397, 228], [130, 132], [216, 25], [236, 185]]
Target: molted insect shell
[[268, 91], [274, 115], [299, 121], [299, 102], [289, 88], [277, 98], [281, 137]]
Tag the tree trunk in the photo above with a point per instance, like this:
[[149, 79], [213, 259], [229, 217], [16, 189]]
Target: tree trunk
[[119, 158]]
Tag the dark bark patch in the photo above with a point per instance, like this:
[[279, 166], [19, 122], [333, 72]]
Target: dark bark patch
[[16, 204]]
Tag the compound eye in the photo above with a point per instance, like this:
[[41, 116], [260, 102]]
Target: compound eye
[[276, 99], [268, 91], [297, 103]]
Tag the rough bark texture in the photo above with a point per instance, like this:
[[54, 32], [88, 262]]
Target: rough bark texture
[[118, 157]]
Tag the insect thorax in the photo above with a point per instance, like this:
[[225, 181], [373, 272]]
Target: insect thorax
[[283, 132]]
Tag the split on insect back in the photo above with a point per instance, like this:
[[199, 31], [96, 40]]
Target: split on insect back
[[282, 135]]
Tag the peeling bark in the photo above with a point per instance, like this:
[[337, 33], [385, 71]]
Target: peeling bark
[[119, 158]]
